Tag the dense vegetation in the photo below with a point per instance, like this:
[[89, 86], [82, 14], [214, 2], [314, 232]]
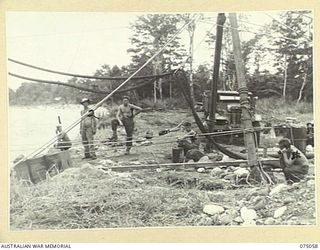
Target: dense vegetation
[[287, 50]]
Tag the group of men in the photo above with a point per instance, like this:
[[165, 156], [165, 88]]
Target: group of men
[[88, 125], [292, 161]]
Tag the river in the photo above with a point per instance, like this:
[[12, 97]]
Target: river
[[32, 126]]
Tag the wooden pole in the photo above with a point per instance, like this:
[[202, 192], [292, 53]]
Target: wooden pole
[[214, 85], [206, 165], [243, 91]]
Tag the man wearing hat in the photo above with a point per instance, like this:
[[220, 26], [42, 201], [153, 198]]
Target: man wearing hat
[[87, 130], [124, 118], [293, 162], [63, 142], [188, 141]]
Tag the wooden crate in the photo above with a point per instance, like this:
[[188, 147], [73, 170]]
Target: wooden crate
[[36, 170]]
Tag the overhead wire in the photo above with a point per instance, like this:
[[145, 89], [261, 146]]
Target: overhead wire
[[196, 48], [286, 26], [50, 142], [67, 33], [79, 43], [131, 77], [217, 133], [84, 76], [120, 144], [79, 87]]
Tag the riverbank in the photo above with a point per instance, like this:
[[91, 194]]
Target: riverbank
[[90, 196]]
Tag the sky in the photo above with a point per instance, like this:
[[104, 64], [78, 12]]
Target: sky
[[80, 42]]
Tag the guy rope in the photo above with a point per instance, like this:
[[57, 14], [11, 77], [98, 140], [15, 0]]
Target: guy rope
[[53, 140], [84, 88], [87, 76]]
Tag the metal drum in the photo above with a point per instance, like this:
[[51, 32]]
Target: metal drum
[[298, 137], [177, 154]]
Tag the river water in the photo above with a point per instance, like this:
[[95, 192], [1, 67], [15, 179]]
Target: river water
[[33, 126]]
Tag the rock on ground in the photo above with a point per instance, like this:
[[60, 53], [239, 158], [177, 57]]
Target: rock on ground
[[238, 219], [213, 209], [204, 159], [278, 189], [216, 171], [242, 172], [270, 221], [225, 219], [279, 212], [248, 214], [201, 170]]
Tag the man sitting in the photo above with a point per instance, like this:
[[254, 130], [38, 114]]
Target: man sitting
[[293, 162], [189, 140], [63, 142]]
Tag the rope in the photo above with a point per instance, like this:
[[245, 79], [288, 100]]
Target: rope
[[79, 87], [202, 134], [49, 143], [101, 142], [86, 76], [76, 143]]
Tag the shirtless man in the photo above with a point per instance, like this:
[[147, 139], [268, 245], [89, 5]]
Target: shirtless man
[[293, 162], [124, 118]]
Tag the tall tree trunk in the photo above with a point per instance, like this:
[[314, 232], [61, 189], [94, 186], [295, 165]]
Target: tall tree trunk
[[191, 29], [160, 88], [170, 87], [285, 77], [156, 82], [302, 87], [155, 89]]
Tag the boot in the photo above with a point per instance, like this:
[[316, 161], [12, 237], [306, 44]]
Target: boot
[[86, 156], [127, 151], [114, 136]]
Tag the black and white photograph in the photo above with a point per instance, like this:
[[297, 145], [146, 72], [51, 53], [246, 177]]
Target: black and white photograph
[[160, 119]]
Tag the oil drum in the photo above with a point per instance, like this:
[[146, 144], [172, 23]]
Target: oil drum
[[235, 116], [177, 154], [298, 137]]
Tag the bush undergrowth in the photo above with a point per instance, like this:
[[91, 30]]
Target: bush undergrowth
[[276, 109]]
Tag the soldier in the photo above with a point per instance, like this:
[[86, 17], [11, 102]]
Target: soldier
[[124, 118], [293, 162], [190, 143], [64, 142], [87, 130]]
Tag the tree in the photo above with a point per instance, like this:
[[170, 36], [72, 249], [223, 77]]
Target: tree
[[295, 44], [150, 33]]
